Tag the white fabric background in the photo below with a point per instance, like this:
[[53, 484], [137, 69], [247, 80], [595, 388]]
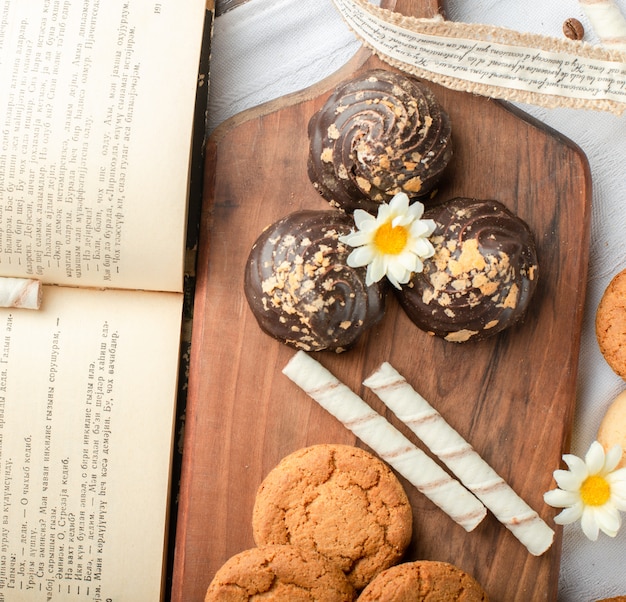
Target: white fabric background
[[267, 48]]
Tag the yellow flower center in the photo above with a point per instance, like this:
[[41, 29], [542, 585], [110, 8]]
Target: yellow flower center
[[391, 240], [595, 491]]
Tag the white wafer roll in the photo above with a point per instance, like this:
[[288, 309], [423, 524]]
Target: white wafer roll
[[389, 443], [607, 21], [22, 293], [459, 456]]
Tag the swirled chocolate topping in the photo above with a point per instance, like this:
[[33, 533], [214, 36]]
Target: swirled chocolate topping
[[300, 288], [378, 134], [481, 277]]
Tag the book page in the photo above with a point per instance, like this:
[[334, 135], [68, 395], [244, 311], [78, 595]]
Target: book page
[[96, 110], [87, 400]]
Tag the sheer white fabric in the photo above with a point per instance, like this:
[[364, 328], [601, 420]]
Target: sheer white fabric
[[267, 48]]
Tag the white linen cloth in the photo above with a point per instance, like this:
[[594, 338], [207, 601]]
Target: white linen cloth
[[264, 49]]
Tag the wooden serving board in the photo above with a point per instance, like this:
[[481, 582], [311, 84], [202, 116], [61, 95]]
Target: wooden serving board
[[511, 396]]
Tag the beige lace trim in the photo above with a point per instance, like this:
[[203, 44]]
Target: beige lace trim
[[493, 61]]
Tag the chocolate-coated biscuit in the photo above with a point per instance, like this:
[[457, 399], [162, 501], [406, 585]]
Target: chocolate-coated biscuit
[[482, 276], [339, 500], [378, 134], [302, 291]]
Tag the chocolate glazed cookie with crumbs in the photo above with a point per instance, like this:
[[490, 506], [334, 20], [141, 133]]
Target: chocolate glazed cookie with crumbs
[[427, 581], [302, 291], [279, 574], [481, 277], [378, 134], [339, 500]]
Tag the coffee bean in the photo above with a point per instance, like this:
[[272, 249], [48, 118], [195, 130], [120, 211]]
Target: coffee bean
[[573, 29]]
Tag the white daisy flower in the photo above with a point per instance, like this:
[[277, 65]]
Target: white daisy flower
[[591, 490], [393, 243]]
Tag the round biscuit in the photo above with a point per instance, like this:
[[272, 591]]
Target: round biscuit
[[339, 500], [424, 580], [612, 429], [611, 324], [279, 574]]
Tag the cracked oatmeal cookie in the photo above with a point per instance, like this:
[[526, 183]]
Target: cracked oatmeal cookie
[[423, 580], [339, 500]]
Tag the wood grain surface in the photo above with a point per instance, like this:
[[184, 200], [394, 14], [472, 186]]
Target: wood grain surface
[[511, 396]]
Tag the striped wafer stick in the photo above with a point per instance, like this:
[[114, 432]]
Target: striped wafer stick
[[22, 293], [389, 443], [459, 456], [607, 21]]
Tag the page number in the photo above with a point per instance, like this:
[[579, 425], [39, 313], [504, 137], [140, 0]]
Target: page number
[[157, 8]]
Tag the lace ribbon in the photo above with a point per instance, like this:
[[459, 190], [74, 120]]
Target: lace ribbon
[[493, 61]]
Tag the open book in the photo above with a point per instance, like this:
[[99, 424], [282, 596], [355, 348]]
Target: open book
[[97, 105]]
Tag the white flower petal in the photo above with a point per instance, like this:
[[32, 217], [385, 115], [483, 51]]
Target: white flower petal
[[416, 210], [360, 256], [392, 277], [608, 520], [347, 238], [423, 248], [422, 228], [594, 458], [577, 466], [569, 515], [356, 239], [408, 260], [567, 480], [558, 498], [377, 268], [617, 478], [619, 474], [384, 213], [402, 220], [619, 501], [370, 228], [362, 219], [589, 524], [432, 225], [399, 203], [397, 273], [613, 457], [618, 488]]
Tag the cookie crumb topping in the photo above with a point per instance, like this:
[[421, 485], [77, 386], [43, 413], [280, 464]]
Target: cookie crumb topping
[[378, 134], [482, 273], [302, 290]]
